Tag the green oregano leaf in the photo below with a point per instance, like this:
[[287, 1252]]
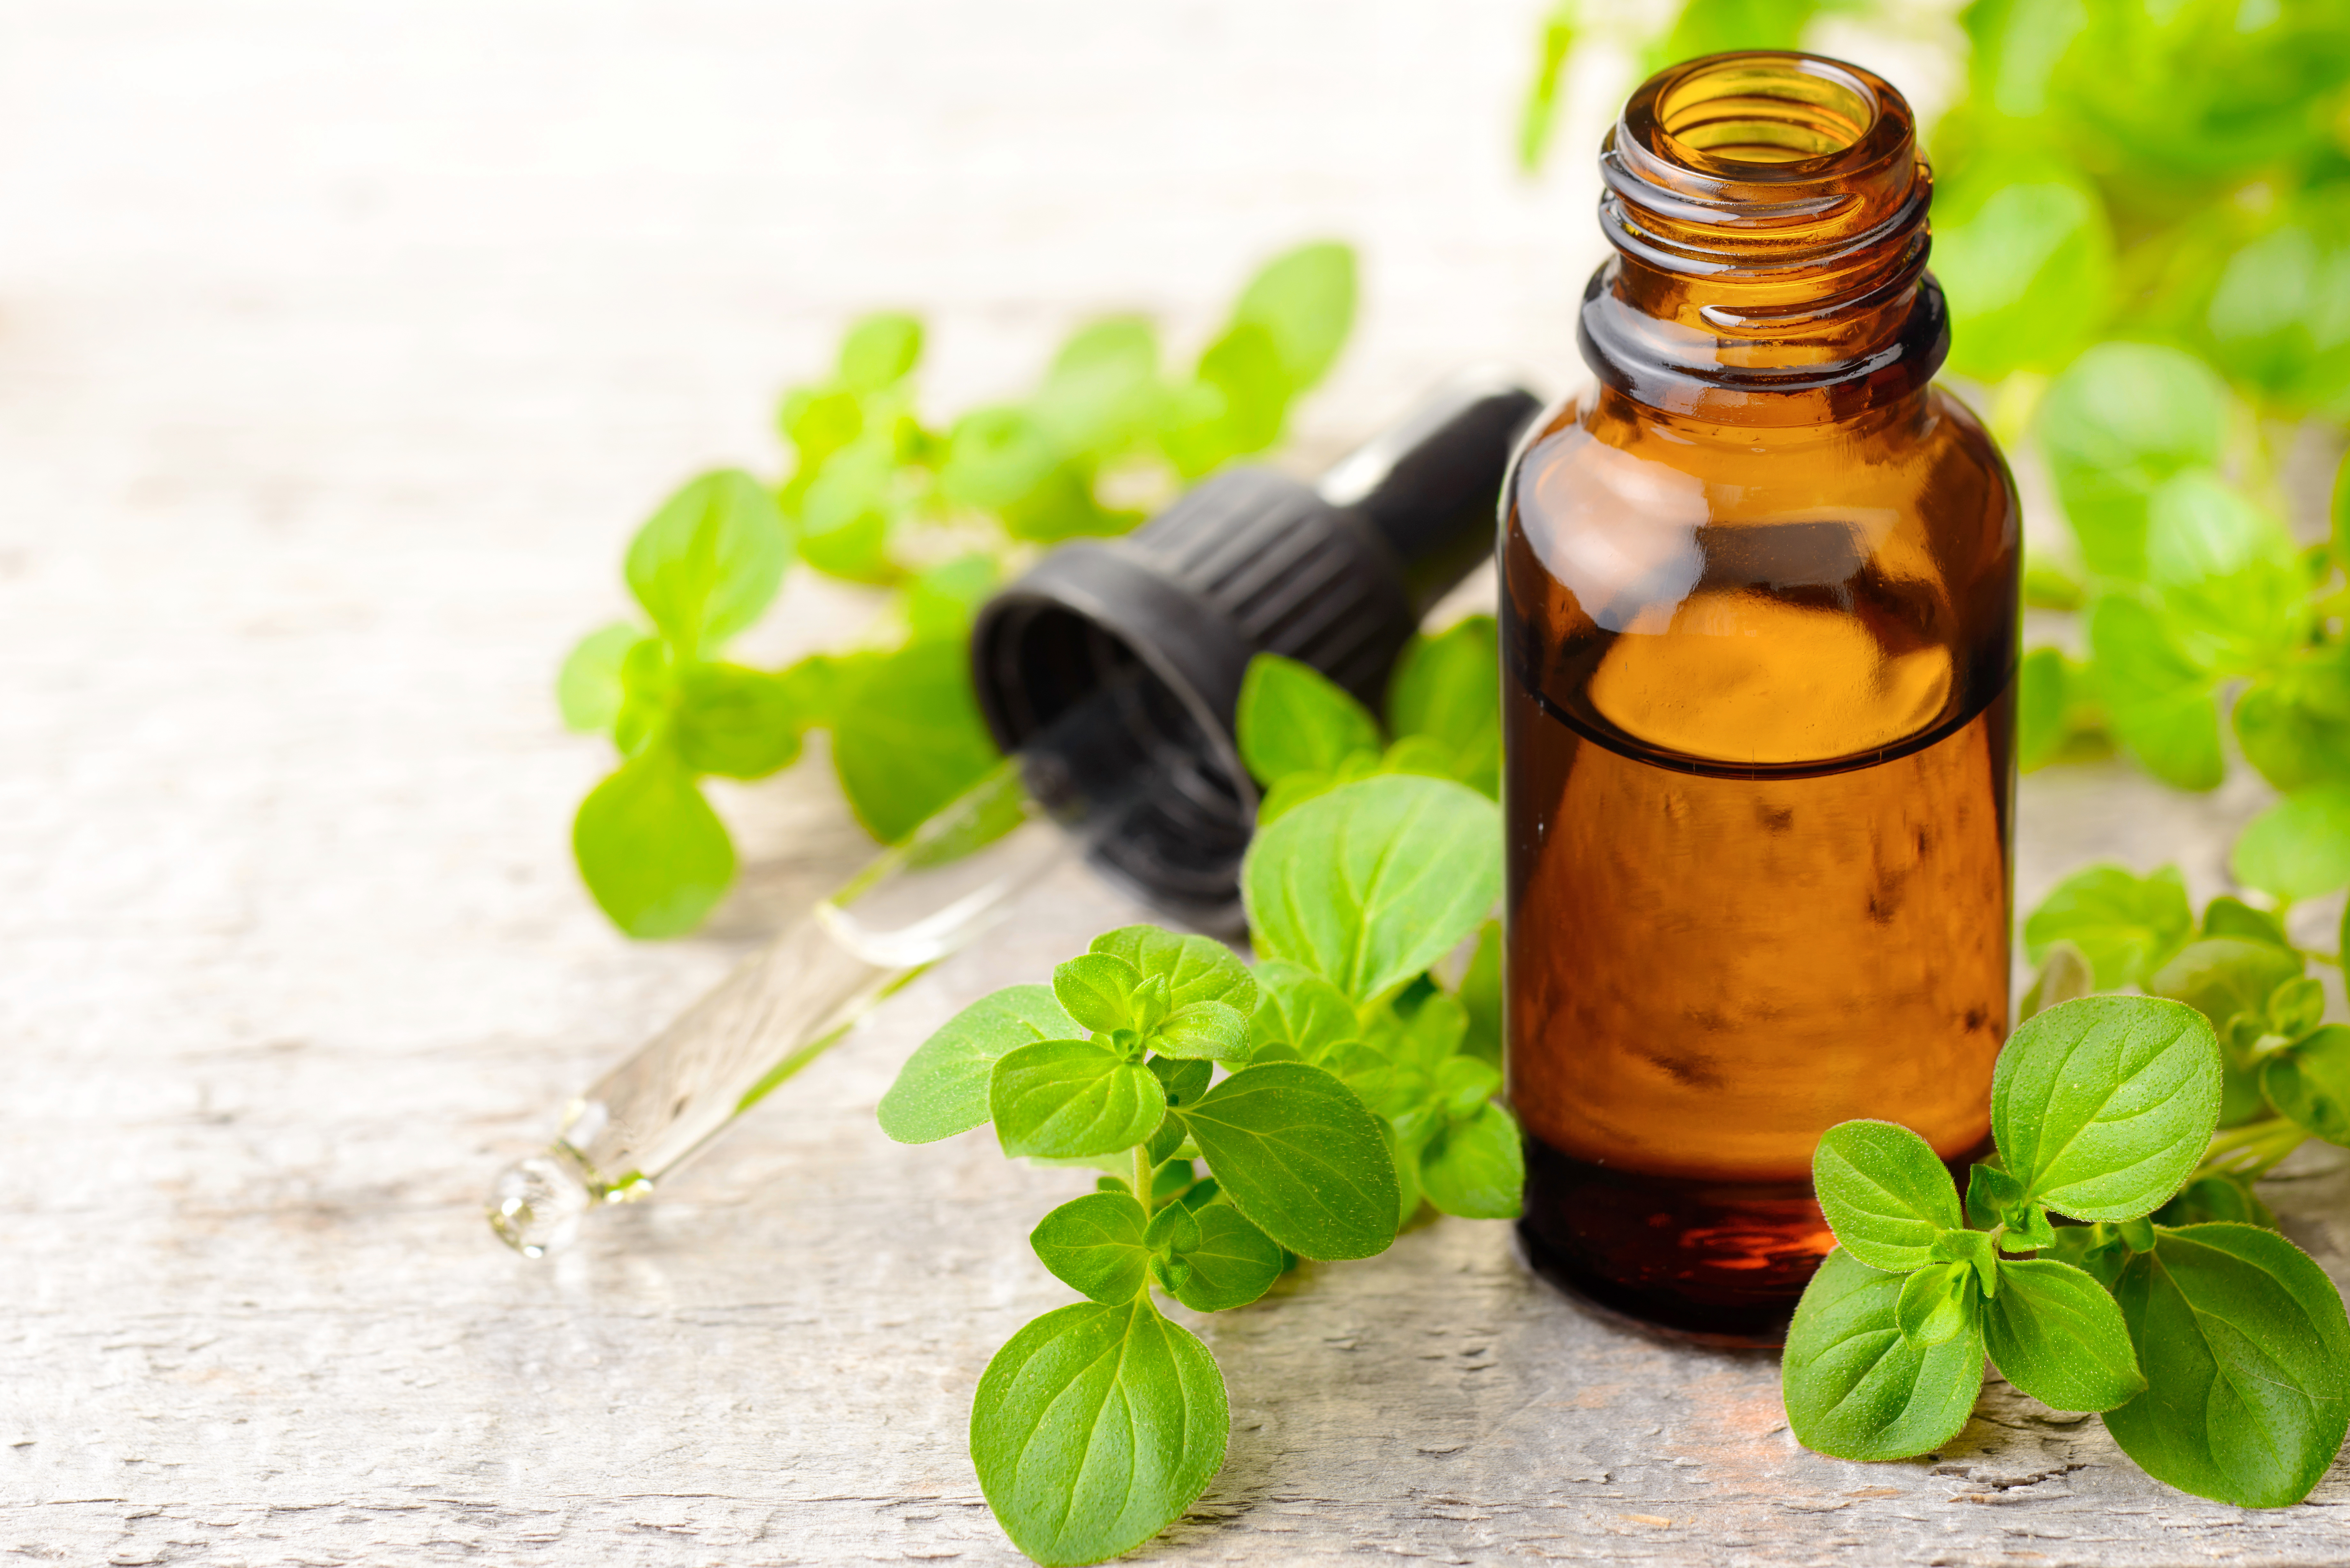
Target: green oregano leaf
[[1474, 1167], [1293, 719], [1196, 968], [1936, 1305], [1095, 1427], [1885, 1193], [2246, 1354], [1233, 1263], [2102, 1106], [1296, 1152], [1204, 1029], [2308, 1081], [1974, 1249], [2124, 924], [1068, 1098], [2054, 1332], [1297, 1008], [1370, 884], [943, 1088], [1096, 1246], [1856, 1388], [2220, 1197], [1102, 991], [743, 724], [649, 849], [588, 691], [1447, 689], [710, 560], [2229, 916]]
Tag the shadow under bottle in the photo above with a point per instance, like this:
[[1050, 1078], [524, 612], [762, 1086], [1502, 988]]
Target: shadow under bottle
[[1759, 623]]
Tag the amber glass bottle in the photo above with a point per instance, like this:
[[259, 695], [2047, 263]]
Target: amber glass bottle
[[1759, 616]]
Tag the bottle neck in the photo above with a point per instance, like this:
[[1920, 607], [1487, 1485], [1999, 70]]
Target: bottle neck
[[1769, 214]]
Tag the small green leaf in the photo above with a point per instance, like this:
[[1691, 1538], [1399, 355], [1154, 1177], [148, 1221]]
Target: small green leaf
[[1972, 1248], [589, 690], [1854, 1387], [908, 737], [1475, 1167], [2126, 926], [2044, 700], [1093, 1429], [1447, 689], [995, 457], [847, 508], [1885, 1193], [1102, 991], [1305, 300], [2227, 917], [651, 849], [1102, 390], [1298, 1008], [878, 351], [2231, 585], [941, 602], [1068, 1098], [1235, 407], [2221, 977], [2294, 721], [2055, 1332], [1197, 968], [1992, 1195], [1233, 1263], [2296, 1007], [2308, 1081], [2299, 847], [1210, 1030], [2161, 704], [943, 1088], [1295, 720], [1095, 1245], [1936, 1305], [710, 559], [1294, 1151], [2123, 418], [2064, 975], [1480, 995], [1370, 884], [2227, 1200], [734, 720], [2246, 1354], [2102, 1106], [2024, 251]]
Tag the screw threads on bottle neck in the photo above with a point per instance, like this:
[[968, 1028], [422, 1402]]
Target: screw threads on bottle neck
[[1769, 214]]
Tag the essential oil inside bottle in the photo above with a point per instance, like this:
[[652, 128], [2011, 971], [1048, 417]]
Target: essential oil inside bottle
[[1759, 634]]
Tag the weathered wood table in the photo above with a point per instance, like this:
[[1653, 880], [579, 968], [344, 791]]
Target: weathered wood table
[[340, 348]]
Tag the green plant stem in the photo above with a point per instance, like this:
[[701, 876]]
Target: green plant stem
[[1142, 1174], [2251, 1151]]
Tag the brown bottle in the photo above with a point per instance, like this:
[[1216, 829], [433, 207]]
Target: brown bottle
[[1758, 622]]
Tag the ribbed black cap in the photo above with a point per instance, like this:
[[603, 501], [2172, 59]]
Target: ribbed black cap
[[1158, 629]]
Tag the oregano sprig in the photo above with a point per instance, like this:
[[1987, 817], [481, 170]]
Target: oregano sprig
[[2217, 1350], [1254, 1117], [935, 518]]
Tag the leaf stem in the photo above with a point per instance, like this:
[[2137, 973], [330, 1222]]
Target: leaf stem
[[1142, 1174], [2254, 1149]]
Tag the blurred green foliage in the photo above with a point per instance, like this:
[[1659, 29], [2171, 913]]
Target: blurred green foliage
[[934, 515], [2142, 223]]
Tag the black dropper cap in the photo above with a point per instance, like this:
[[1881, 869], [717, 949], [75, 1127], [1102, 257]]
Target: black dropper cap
[[1154, 632]]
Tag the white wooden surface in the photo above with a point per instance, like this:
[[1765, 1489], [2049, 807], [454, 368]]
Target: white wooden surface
[[340, 348]]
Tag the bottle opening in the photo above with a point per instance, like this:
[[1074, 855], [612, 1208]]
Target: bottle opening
[[1765, 110]]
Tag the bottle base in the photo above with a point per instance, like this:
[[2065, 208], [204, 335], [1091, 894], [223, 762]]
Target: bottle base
[[1709, 1262]]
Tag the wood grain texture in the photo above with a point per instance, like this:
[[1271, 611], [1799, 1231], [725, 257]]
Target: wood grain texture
[[341, 346]]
